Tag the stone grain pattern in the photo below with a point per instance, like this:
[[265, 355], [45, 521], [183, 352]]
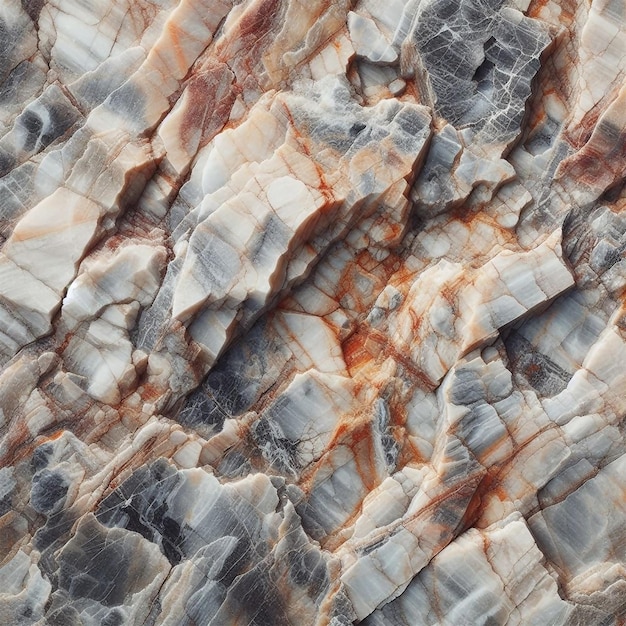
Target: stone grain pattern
[[312, 313]]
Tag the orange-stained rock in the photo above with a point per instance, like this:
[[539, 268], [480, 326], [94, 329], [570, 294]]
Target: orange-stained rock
[[312, 313]]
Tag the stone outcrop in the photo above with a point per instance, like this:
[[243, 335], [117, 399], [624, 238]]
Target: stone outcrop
[[312, 313]]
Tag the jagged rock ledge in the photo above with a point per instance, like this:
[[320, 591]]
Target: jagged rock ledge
[[312, 313]]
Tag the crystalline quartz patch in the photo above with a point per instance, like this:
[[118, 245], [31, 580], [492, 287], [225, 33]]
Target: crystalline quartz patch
[[312, 313]]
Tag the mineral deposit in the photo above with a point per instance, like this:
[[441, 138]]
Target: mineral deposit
[[312, 312]]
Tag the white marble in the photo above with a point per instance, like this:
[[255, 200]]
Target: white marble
[[312, 313]]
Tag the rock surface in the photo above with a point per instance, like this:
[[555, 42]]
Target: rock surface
[[312, 313]]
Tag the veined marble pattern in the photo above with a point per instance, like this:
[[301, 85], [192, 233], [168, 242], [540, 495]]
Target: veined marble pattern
[[312, 313]]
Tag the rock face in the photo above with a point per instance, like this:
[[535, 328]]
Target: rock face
[[312, 313]]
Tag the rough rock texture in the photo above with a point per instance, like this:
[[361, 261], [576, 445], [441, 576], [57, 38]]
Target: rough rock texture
[[312, 313]]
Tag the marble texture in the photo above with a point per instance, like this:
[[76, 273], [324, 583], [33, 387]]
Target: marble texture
[[312, 313]]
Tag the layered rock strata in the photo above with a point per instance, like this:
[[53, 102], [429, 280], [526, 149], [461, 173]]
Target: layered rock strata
[[312, 313]]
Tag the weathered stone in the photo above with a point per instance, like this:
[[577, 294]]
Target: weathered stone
[[312, 312]]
